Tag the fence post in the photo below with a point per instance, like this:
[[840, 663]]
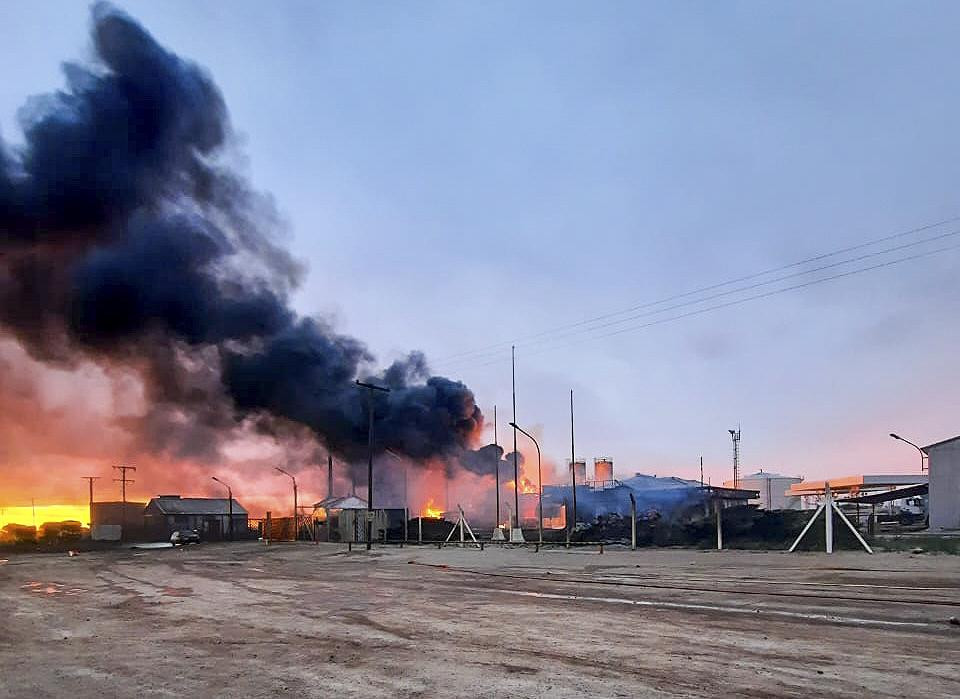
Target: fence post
[[719, 505]]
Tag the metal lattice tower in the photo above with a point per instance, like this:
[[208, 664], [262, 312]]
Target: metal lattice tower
[[735, 435]]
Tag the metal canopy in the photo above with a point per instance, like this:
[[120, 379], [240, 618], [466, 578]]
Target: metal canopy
[[899, 493]]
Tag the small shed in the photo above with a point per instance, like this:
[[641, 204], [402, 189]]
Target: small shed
[[112, 521], [211, 517], [344, 519]]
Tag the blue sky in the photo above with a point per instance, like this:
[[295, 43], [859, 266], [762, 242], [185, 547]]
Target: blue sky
[[463, 174]]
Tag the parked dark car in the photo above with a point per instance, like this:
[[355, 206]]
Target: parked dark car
[[185, 536]]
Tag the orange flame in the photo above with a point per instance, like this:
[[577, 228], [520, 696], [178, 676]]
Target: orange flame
[[527, 487], [431, 510]]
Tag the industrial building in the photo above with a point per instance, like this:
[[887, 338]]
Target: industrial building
[[943, 467], [772, 488], [111, 521], [213, 518]]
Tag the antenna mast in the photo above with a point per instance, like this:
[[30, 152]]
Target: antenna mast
[[735, 435]]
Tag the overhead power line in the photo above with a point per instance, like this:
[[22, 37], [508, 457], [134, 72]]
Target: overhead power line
[[488, 349], [593, 327], [735, 302]]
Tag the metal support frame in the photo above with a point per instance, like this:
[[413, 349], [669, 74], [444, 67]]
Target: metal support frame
[[460, 524], [828, 507]]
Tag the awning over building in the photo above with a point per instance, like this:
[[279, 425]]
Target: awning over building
[[889, 495], [855, 484]]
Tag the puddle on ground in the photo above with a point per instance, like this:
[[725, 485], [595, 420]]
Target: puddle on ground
[[50, 588], [177, 591]]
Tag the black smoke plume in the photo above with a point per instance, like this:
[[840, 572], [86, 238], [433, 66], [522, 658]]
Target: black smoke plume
[[127, 239]]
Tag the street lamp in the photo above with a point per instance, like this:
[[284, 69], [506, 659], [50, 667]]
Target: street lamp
[[296, 522], [923, 454], [230, 497], [539, 483]]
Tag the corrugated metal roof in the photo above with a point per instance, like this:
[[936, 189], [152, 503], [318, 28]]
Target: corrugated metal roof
[[347, 502], [940, 444], [197, 506], [642, 481]]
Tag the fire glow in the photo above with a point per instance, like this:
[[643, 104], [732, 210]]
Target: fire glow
[[38, 515], [431, 510]]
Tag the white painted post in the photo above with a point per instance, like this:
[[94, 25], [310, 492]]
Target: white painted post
[[828, 513], [420, 529], [719, 505]]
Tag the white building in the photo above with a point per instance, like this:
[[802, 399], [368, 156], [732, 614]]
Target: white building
[[772, 488], [943, 468]]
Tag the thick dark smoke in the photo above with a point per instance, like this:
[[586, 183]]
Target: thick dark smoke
[[126, 239]]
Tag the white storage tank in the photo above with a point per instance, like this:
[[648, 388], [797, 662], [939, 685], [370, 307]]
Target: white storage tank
[[603, 469], [579, 470], [772, 487]]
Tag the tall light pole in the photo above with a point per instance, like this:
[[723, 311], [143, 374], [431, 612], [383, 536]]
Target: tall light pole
[[496, 471], [516, 467], [539, 481], [573, 474], [296, 518], [923, 454], [370, 389], [230, 505]]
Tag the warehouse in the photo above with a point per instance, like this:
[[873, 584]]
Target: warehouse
[[213, 518], [943, 459]]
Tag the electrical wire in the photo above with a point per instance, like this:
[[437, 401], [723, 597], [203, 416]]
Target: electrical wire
[[599, 326], [711, 287], [735, 302]]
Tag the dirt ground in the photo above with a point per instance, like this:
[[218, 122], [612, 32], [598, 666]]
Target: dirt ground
[[248, 620]]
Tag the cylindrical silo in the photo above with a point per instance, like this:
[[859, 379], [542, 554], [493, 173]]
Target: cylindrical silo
[[580, 470], [603, 469]]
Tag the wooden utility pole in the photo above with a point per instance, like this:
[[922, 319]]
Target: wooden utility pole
[[123, 480], [90, 480], [370, 389], [329, 475]]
